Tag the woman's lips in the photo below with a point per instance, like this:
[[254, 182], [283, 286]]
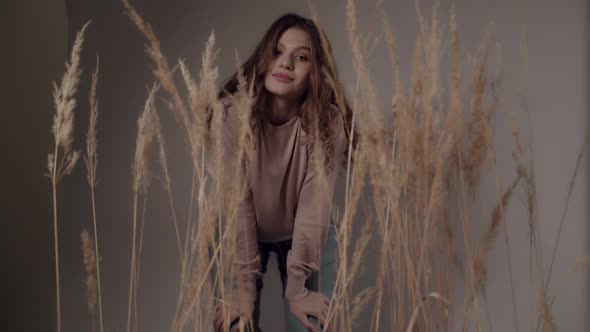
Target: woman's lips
[[282, 78]]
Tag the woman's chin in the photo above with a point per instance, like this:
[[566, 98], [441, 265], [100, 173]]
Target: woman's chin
[[281, 93]]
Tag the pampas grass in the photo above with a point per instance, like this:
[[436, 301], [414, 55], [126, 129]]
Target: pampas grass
[[162, 70], [62, 129]]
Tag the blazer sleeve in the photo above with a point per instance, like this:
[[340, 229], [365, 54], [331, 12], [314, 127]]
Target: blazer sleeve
[[247, 260], [312, 220]]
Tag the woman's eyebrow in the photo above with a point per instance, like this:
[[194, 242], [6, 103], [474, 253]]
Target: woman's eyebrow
[[298, 47]]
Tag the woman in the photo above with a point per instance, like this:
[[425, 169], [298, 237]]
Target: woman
[[286, 208]]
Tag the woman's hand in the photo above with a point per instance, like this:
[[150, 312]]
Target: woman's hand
[[234, 314], [313, 304]]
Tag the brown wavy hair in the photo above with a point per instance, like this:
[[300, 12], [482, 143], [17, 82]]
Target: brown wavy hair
[[316, 103]]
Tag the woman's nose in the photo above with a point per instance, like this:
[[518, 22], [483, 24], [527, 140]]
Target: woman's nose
[[286, 62]]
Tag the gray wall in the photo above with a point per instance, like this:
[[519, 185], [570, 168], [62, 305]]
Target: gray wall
[[559, 72]]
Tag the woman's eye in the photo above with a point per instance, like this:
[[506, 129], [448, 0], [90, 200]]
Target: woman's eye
[[302, 58]]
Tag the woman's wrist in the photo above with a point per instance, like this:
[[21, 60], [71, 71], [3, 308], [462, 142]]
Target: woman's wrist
[[295, 289]]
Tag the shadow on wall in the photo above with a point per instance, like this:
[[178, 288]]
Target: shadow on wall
[[37, 34]]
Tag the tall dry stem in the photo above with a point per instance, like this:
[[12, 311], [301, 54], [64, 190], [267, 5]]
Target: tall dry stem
[[91, 161], [567, 200], [146, 134], [167, 182], [89, 259]]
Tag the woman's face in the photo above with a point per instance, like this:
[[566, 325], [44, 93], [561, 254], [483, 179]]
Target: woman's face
[[288, 72]]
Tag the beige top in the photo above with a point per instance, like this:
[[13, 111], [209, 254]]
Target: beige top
[[283, 202]]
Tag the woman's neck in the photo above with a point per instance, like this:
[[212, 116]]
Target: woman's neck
[[282, 110]]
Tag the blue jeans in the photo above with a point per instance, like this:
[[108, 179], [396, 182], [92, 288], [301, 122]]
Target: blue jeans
[[322, 281]]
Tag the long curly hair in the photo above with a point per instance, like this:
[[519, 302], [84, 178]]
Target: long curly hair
[[316, 103]]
